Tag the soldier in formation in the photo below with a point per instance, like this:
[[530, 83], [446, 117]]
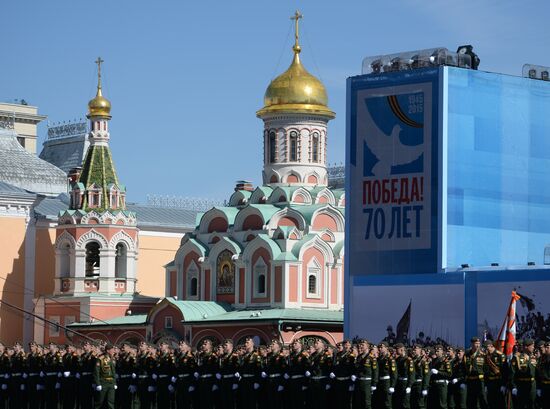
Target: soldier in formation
[[228, 376]]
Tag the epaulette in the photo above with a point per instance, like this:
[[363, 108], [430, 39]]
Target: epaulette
[[499, 352]]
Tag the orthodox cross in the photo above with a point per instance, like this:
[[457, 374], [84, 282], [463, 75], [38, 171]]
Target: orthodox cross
[[296, 17], [99, 61]]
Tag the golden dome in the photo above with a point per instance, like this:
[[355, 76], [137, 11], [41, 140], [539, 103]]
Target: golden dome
[[99, 106], [296, 91]]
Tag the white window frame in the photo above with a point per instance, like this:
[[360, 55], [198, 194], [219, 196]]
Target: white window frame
[[192, 272], [260, 268], [314, 269]]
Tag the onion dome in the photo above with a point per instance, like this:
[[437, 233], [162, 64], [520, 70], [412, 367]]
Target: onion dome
[[99, 106]]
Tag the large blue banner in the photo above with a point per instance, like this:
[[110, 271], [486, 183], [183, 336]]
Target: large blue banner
[[392, 174]]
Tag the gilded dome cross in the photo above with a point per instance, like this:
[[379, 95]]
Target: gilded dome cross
[[296, 17]]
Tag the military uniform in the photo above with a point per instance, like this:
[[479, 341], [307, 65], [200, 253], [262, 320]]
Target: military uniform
[[523, 369], [85, 380], [127, 381], [543, 379], [35, 386], [146, 365], [495, 365], [421, 383], [250, 368], [186, 367], [439, 379], [276, 367], [18, 381], [208, 367], [68, 381], [457, 389], [298, 364], [166, 373], [104, 379], [366, 371], [343, 367], [475, 379], [320, 365], [405, 379], [387, 377], [5, 373], [52, 370], [228, 367]]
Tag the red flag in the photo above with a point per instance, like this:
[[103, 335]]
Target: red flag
[[507, 334]]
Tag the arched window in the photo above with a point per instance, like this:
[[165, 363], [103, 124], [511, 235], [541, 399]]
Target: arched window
[[92, 258], [313, 276], [65, 261], [293, 146], [272, 147], [121, 257], [260, 278], [315, 148], [113, 199], [192, 281]]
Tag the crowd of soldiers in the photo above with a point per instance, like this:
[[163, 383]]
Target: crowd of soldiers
[[318, 376]]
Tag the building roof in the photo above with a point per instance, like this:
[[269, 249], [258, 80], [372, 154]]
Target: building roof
[[279, 314], [138, 319], [194, 310], [24, 170], [9, 189], [65, 152]]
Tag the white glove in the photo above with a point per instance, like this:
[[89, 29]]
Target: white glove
[[196, 375], [286, 376], [463, 386], [59, 374], [264, 375], [7, 376], [435, 371], [66, 374], [116, 387], [331, 375], [307, 374], [234, 387], [304, 388], [515, 391], [391, 390], [4, 386], [57, 385], [407, 390], [256, 386], [218, 376], [98, 388], [539, 392], [280, 388], [373, 388], [237, 375], [25, 376], [77, 376], [424, 392], [134, 376], [173, 379], [151, 389], [454, 381], [353, 378], [214, 388], [132, 388], [351, 388], [22, 387], [191, 389], [154, 376], [327, 387], [503, 389], [42, 374]]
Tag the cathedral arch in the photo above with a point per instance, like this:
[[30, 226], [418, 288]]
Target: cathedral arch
[[293, 177], [325, 196], [287, 217], [89, 236], [125, 238], [328, 218], [301, 195]]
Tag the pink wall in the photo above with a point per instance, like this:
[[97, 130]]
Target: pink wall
[[324, 221], [309, 254], [293, 284], [278, 284]]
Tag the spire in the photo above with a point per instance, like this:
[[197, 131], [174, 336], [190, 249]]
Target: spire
[[99, 61], [99, 106], [296, 48]]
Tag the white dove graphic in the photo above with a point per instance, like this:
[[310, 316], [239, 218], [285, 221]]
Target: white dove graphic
[[388, 149]]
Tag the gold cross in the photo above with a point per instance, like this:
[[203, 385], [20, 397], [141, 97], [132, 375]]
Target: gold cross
[[296, 17], [99, 61]]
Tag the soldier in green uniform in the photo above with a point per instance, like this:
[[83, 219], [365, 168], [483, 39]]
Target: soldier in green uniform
[[440, 373], [543, 377], [228, 367], [342, 369], [70, 362], [186, 367], [52, 368], [250, 369], [495, 363], [104, 379], [18, 381], [298, 364], [419, 389], [387, 378], [276, 367], [405, 378], [165, 371], [475, 375], [320, 365], [457, 389], [85, 376], [35, 389], [366, 373], [208, 367], [523, 368]]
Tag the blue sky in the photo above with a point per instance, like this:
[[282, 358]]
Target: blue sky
[[186, 78]]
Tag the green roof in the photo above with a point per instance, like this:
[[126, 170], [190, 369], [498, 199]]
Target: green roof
[[279, 314], [138, 319], [98, 168], [266, 210], [195, 310], [298, 245]]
